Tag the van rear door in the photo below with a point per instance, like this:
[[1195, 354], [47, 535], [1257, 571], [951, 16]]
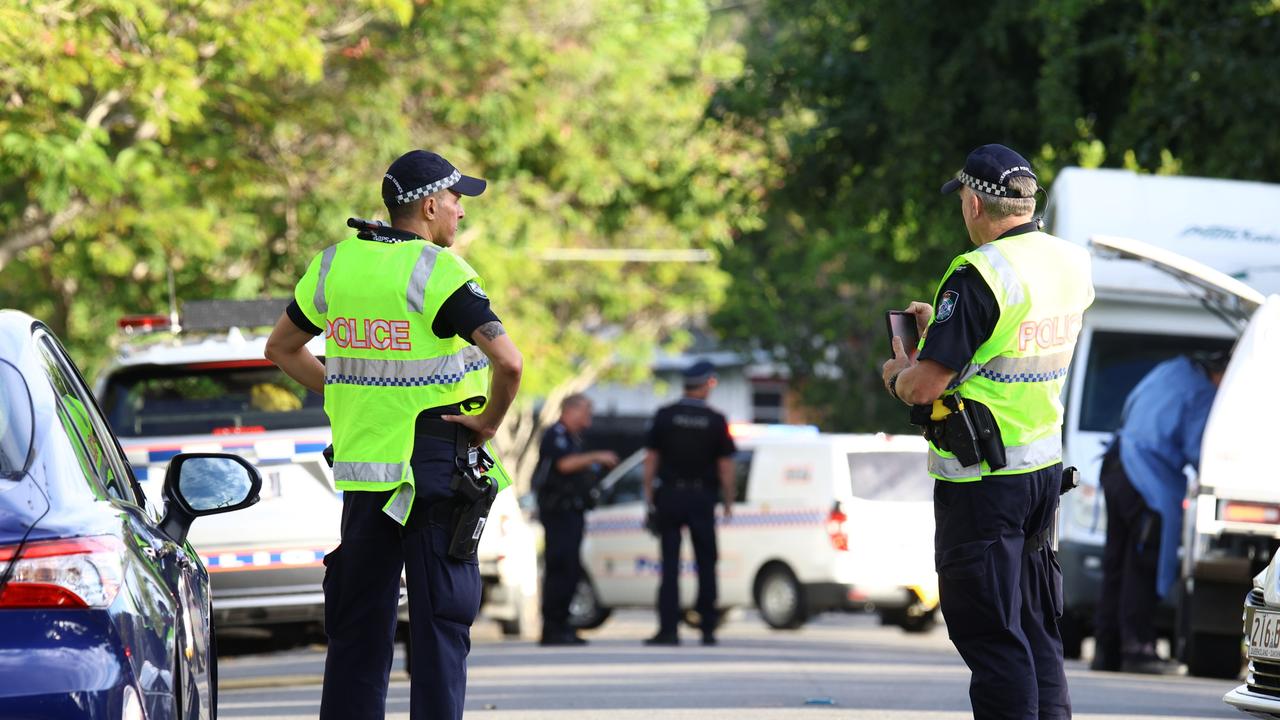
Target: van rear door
[[1223, 295]]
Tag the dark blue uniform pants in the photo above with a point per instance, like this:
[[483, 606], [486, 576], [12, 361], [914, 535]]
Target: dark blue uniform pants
[[362, 590], [695, 508], [564, 567], [1125, 623], [1001, 603]]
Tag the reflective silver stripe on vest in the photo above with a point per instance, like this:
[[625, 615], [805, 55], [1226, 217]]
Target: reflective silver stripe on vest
[[401, 502], [1036, 368], [444, 370], [421, 274], [1019, 458], [322, 305], [370, 472], [1008, 277]]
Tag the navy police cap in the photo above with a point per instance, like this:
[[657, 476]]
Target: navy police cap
[[418, 173], [988, 169], [698, 373]]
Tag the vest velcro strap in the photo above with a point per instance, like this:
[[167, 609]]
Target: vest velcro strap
[[1018, 458], [444, 370], [401, 502], [1033, 368], [370, 472]]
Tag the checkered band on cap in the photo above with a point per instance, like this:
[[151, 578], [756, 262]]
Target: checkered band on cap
[[425, 190], [981, 185]]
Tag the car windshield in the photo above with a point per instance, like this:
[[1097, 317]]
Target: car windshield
[[213, 398], [1117, 361], [890, 476], [15, 421]]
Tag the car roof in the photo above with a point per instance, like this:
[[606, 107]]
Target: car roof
[[15, 333], [171, 349]]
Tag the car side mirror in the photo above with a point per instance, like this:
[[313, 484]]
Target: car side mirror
[[198, 484]]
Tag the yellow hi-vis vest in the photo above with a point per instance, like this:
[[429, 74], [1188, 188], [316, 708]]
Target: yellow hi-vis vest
[[383, 364], [1043, 285]]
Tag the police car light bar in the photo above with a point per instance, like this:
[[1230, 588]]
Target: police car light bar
[[142, 323]]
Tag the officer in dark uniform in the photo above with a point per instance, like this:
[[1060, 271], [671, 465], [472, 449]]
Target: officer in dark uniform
[[688, 468], [564, 482], [362, 576], [986, 386]]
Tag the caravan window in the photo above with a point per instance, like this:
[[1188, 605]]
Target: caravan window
[[1118, 360], [892, 476]]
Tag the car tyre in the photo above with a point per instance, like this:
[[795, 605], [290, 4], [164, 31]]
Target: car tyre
[[1214, 656], [780, 598], [585, 610]]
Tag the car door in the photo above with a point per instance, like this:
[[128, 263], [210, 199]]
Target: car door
[[620, 556], [174, 656]]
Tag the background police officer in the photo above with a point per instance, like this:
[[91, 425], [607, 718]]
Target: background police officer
[[1002, 338], [410, 341], [565, 479], [1144, 485], [690, 452]]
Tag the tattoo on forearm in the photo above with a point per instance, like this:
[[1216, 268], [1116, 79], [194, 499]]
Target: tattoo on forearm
[[491, 329]]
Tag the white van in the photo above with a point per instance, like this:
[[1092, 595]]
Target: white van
[[1141, 317], [820, 522]]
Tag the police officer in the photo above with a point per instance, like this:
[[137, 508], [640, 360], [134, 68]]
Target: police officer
[[413, 351], [1143, 482], [689, 465], [993, 360], [566, 477]]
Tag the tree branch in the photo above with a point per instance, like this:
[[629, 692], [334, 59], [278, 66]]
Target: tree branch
[[37, 227]]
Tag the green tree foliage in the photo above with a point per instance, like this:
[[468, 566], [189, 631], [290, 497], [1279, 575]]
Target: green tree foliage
[[872, 105], [228, 140]]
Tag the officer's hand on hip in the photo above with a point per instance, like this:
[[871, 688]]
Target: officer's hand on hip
[[607, 458], [483, 428]]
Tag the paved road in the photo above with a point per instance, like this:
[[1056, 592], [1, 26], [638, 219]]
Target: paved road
[[839, 666]]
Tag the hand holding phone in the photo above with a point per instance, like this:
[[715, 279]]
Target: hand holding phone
[[902, 324]]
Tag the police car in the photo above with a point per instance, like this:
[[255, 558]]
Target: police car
[[206, 386], [820, 522]]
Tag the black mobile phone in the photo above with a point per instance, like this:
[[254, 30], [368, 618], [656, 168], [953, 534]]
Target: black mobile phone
[[902, 324]]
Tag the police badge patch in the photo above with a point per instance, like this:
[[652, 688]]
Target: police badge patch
[[947, 305], [474, 287]]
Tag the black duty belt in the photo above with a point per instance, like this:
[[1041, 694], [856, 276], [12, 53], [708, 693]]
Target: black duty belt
[[431, 424]]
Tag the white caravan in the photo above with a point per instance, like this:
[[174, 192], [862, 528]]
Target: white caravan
[[1144, 313]]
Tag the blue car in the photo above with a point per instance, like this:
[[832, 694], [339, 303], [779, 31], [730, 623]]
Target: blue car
[[104, 607]]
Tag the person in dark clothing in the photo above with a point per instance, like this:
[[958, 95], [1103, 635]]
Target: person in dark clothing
[[689, 466], [566, 475], [1143, 484]]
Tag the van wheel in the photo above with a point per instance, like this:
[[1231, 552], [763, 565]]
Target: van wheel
[[1214, 656], [780, 598], [585, 611]]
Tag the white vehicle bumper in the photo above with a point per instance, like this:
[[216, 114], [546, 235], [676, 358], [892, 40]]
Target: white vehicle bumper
[[1263, 706]]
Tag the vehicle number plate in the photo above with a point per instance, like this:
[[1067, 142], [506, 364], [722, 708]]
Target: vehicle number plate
[[1264, 633]]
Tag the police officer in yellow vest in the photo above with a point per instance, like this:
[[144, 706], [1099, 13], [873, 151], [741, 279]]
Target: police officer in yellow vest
[[986, 384], [418, 371]]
